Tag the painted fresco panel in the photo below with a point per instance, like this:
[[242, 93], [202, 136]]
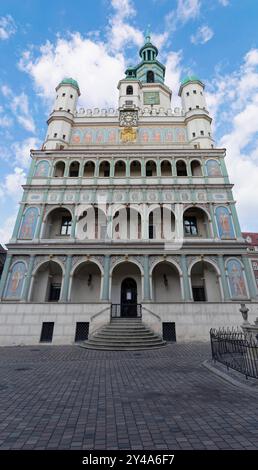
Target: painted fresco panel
[[29, 224], [236, 279], [111, 135], [42, 169], [224, 222], [16, 281], [213, 168]]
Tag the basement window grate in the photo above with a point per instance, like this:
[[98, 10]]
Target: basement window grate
[[82, 331], [47, 332], [169, 331]]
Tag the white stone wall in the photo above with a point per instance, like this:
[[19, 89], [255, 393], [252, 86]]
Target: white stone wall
[[193, 320], [20, 324]]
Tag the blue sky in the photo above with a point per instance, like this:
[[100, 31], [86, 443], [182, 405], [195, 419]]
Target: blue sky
[[93, 41]]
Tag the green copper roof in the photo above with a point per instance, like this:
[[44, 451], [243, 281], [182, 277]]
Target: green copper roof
[[193, 78], [70, 81]]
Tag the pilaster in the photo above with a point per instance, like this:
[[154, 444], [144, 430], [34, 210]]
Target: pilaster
[[28, 278], [105, 290], [66, 279], [5, 274], [223, 275]]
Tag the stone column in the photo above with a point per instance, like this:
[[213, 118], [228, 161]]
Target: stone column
[[66, 171], [213, 222], [187, 292], [66, 279], [224, 280], [146, 295], [249, 278], [28, 278], [17, 223], [105, 288], [235, 220], [39, 224], [5, 274]]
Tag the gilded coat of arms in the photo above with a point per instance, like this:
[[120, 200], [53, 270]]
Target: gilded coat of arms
[[128, 134]]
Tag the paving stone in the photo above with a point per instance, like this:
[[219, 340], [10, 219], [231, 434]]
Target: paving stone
[[74, 398]]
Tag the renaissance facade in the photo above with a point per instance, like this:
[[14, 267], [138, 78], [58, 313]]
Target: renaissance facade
[[126, 208]]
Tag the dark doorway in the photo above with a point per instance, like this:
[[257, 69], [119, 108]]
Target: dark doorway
[[150, 76], [54, 292], [199, 294], [128, 298]]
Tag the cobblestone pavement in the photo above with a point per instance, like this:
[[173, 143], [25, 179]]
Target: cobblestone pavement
[[66, 397]]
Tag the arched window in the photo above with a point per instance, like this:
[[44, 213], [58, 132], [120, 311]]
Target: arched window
[[129, 90], [150, 77], [181, 168]]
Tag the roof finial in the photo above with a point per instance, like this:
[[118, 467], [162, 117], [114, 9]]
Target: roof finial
[[147, 34]]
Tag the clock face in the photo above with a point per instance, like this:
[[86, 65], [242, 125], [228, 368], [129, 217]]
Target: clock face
[[128, 118]]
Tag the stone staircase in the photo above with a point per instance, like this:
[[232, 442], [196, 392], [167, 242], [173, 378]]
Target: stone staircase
[[124, 334]]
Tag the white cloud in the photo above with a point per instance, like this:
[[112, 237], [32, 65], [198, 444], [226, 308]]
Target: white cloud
[[173, 73], [224, 3], [188, 9], [7, 27], [120, 33], [21, 151], [12, 183], [5, 121], [90, 63], [6, 229], [19, 105], [234, 98], [203, 34]]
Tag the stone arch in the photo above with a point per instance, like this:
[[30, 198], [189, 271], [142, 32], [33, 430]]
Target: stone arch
[[126, 222], [197, 222], [59, 169], [196, 167], [104, 169], [181, 168], [205, 280], [86, 281], [129, 90], [91, 222], [89, 169], [57, 223], [74, 169], [120, 168], [135, 168], [161, 222], [151, 168], [121, 270], [47, 281], [166, 168], [166, 285]]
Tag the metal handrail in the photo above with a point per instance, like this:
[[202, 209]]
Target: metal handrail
[[235, 350]]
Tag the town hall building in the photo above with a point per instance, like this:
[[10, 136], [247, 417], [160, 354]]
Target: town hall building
[[126, 213]]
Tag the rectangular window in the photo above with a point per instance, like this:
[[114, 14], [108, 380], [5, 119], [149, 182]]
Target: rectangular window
[[187, 93], [47, 332], [63, 94], [66, 226], [71, 96], [63, 136], [194, 92], [197, 106], [193, 134], [82, 331], [202, 132], [55, 135], [190, 226], [169, 331]]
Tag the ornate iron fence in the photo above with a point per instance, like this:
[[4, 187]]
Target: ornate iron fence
[[235, 350]]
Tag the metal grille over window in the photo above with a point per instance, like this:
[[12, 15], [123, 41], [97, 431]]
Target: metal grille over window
[[47, 332], [169, 331], [82, 331]]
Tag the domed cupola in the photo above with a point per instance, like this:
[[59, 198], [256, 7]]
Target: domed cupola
[[148, 52]]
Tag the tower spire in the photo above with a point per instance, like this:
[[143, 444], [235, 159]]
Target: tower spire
[[147, 34]]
